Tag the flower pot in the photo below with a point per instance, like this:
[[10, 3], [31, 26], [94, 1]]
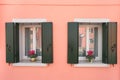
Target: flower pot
[[91, 60], [32, 59]]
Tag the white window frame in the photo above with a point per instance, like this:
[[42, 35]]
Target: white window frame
[[22, 39], [99, 57], [91, 20], [28, 20]]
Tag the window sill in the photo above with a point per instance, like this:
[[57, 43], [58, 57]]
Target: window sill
[[93, 64], [29, 63]]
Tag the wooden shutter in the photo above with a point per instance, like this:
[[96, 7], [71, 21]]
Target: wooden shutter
[[109, 43], [73, 42], [12, 42], [47, 43]]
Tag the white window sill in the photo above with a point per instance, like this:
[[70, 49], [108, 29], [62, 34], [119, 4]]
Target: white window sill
[[93, 64], [29, 63]]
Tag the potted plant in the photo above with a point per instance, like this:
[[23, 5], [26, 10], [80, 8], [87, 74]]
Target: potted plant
[[32, 55], [90, 56]]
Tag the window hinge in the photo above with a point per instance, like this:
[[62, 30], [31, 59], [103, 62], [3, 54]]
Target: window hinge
[[113, 65], [9, 64]]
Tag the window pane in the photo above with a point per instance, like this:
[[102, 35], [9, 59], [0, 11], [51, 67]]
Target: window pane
[[82, 41], [38, 40], [96, 41], [93, 40], [88, 40], [28, 40]]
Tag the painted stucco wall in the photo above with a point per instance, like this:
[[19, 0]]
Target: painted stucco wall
[[59, 12]]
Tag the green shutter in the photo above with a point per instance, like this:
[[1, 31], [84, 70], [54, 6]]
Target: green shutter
[[105, 43], [73, 42], [109, 43], [112, 42], [47, 43], [12, 42]]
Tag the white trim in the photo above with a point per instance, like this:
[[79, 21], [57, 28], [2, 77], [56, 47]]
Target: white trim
[[95, 20], [87, 38], [28, 20], [91, 65], [99, 43], [85, 63], [29, 64], [34, 38], [20, 42]]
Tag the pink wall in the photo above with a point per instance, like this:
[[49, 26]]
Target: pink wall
[[60, 2], [59, 15]]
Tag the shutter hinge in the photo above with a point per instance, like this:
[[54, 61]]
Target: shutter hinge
[[9, 64], [113, 65]]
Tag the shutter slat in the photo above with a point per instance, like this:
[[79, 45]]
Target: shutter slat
[[73, 42], [47, 43]]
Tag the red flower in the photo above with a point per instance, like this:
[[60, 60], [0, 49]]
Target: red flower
[[90, 52], [31, 52]]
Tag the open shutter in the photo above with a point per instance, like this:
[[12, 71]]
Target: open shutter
[[47, 42], [109, 43], [73, 42], [112, 42], [12, 42], [105, 43]]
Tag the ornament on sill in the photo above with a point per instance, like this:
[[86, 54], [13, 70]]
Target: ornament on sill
[[32, 55], [90, 56]]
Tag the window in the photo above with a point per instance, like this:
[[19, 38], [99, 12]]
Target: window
[[90, 38], [30, 39], [24, 36], [100, 37]]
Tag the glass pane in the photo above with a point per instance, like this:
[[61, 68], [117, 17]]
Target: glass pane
[[28, 40], [38, 40], [88, 40], [96, 41], [93, 40], [82, 41]]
